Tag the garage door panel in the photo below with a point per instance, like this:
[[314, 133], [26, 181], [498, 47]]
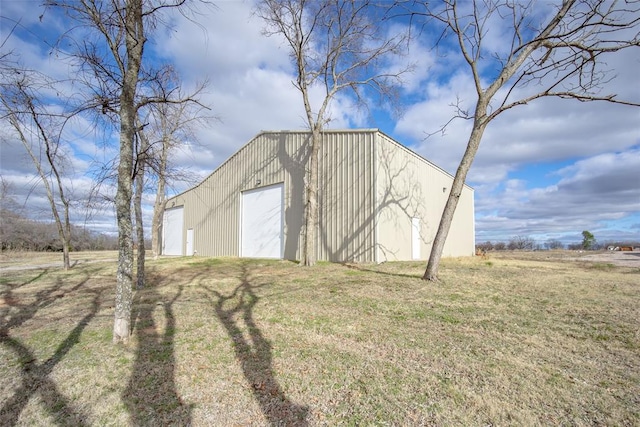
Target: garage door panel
[[261, 222], [172, 225]]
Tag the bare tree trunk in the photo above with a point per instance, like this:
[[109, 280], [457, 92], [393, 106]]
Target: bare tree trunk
[[570, 45], [479, 125], [158, 207], [310, 255], [124, 278], [64, 229], [141, 163], [334, 44], [137, 204], [66, 240], [124, 275], [156, 226]]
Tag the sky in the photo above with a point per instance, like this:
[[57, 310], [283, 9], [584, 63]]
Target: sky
[[546, 170]]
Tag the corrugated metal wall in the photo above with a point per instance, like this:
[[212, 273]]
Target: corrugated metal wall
[[212, 208], [408, 186], [359, 170], [347, 222]]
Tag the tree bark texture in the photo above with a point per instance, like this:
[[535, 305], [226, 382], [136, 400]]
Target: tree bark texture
[[159, 205], [479, 125], [124, 275], [141, 163], [336, 45], [139, 225], [310, 255], [470, 49]]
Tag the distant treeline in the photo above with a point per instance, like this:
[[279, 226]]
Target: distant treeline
[[529, 244], [20, 233]]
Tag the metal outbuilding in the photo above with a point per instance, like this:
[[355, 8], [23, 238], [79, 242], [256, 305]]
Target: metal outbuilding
[[378, 201]]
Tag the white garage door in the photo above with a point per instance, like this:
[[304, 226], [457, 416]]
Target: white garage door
[[261, 222], [172, 231]]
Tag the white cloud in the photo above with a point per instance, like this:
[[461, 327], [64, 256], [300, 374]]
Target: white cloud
[[549, 129], [588, 194], [414, 65], [250, 83], [251, 90], [250, 79]]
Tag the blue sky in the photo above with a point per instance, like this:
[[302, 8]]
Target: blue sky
[[546, 170]]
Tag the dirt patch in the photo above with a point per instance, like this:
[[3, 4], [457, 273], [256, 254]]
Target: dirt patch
[[613, 258], [621, 259]]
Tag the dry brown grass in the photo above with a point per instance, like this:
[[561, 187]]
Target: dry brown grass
[[21, 260], [513, 339]]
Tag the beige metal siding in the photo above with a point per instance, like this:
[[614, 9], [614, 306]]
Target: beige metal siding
[[408, 186], [461, 238], [212, 208], [369, 189], [347, 220]]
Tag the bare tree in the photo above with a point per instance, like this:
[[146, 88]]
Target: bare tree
[[39, 129], [108, 50], [167, 127], [557, 51], [523, 243], [339, 46], [553, 244], [139, 177], [161, 189], [166, 117]]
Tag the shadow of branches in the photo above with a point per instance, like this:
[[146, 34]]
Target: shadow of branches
[[151, 396], [34, 377], [375, 271], [255, 353]]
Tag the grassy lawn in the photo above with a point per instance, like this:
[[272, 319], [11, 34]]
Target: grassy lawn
[[508, 340]]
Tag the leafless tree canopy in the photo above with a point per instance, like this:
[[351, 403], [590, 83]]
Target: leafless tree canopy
[[336, 45], [166, 127], [38, 126], [556, 50], [106, 45]]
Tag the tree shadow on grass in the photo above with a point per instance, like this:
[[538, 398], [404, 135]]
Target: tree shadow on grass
[[34, 377], [255, 354], [383, 273], [151, 396]]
